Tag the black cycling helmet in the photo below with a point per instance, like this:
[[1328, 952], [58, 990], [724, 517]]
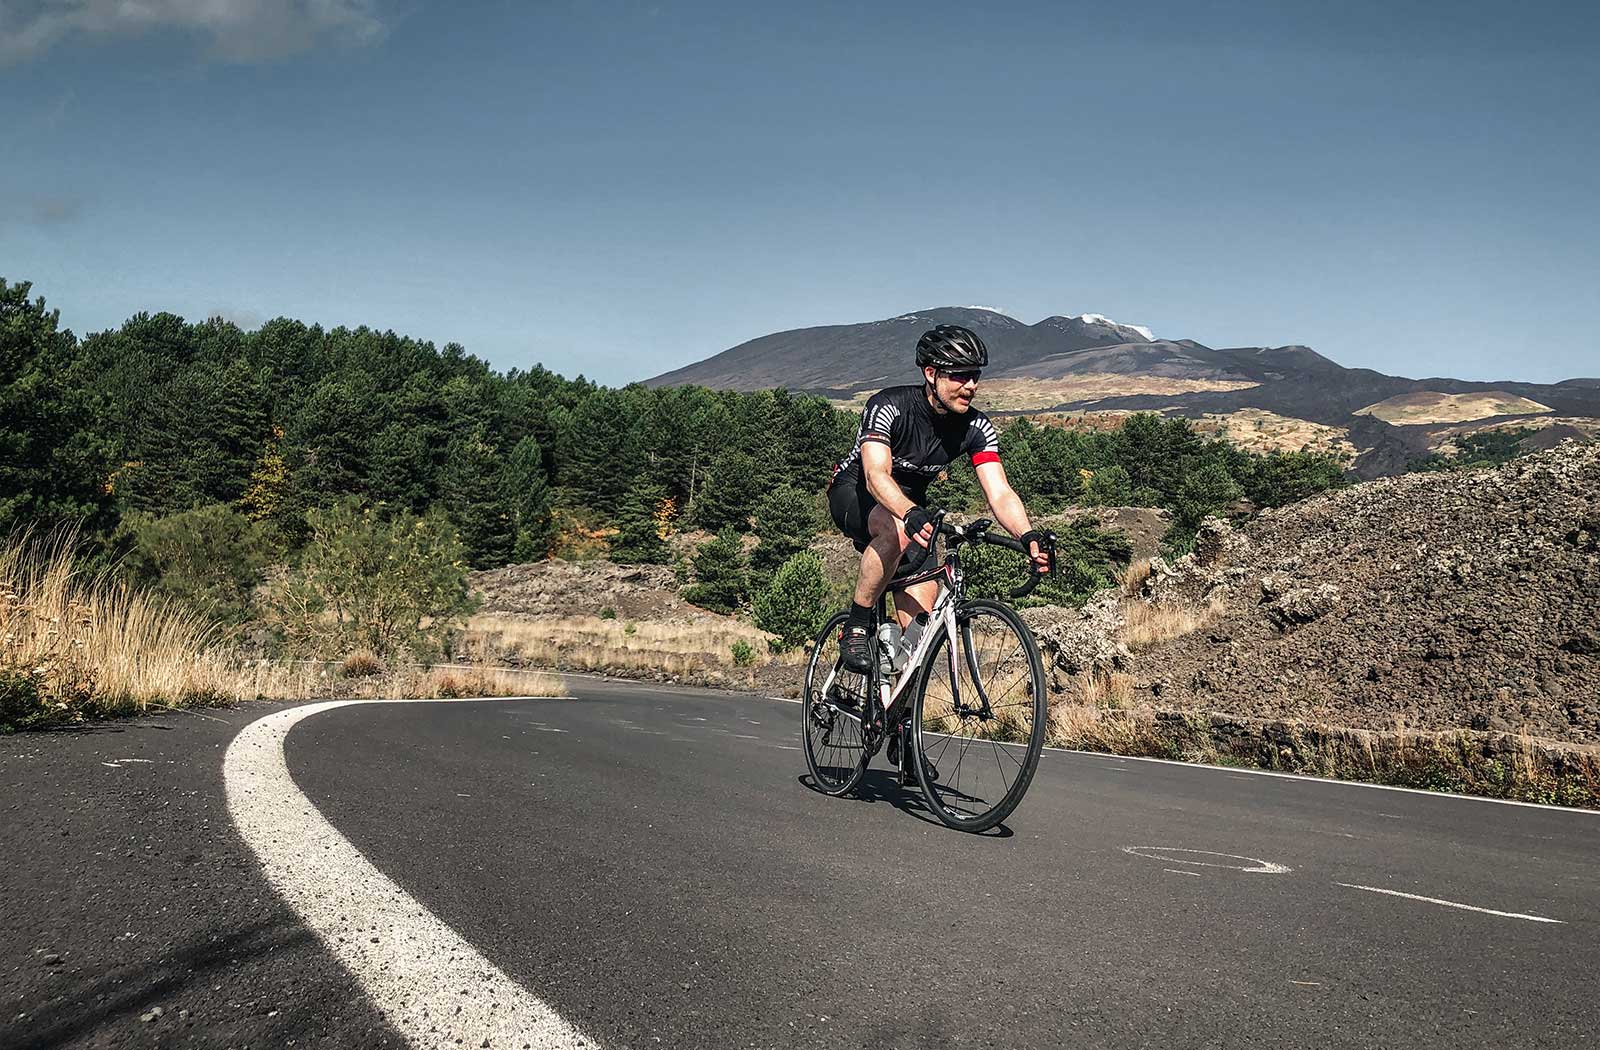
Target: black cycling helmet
[[951, 346]]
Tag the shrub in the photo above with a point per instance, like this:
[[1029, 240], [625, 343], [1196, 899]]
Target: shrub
[[209, 558], [366, 579], [607, 613], [744, 654], [1283, 477], [720, 574], [1088, 559], [1109, 487], [362, 663], [794, 606]]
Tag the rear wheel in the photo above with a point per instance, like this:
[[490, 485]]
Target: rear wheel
[[980, 717], [830, 715]]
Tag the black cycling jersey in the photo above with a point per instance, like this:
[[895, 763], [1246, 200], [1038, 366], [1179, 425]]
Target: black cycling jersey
[[921, 441]]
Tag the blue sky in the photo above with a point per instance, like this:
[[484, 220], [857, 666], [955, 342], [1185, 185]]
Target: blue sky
[[619, 188]]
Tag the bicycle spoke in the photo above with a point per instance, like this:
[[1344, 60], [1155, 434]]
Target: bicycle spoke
[[999, 680]]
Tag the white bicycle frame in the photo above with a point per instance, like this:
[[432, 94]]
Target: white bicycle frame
[[941, 620]]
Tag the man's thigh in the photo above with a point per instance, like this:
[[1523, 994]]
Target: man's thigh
[[850, 506]]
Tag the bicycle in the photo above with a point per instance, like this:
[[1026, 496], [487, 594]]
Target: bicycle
[[999, 710]]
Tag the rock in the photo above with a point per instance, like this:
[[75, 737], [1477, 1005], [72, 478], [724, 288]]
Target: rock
[[1303, 605], [1583, 643], [1087, 642], [1274, 585], [52, 959], [1217, 543]]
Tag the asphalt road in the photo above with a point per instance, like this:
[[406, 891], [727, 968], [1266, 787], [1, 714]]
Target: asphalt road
[[650, 863]]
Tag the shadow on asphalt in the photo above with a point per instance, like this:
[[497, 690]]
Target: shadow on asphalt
[[96, 728], [883, 785], [113, 999]]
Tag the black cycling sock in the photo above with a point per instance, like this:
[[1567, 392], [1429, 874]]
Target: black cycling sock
[[861, 614]]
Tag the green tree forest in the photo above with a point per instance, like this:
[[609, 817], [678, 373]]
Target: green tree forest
[[161, 427]]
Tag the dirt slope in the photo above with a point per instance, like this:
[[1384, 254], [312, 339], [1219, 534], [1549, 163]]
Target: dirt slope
[[1440, 601]]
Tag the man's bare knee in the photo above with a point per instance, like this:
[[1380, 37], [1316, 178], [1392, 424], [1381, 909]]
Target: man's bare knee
[[884, 526]]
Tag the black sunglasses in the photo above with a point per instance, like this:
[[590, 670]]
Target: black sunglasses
[[966, 375]]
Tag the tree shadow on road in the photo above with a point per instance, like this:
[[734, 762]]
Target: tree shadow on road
[[106, 1005]]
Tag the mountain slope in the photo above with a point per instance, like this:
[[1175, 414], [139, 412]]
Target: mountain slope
[[1090, 363]]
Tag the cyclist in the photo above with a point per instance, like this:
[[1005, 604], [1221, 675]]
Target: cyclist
[[908, 435]]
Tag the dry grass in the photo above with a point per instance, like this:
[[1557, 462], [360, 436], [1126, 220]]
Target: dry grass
[[1431, 406], [1495, 765], [1132, 578], [1089, 727], [1261, 431], [595, 644], [1112, 689], [453, 682], [363, 663], [1150, 623], [76, 644]]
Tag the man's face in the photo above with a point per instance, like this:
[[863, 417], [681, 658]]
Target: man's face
[[955, 387]]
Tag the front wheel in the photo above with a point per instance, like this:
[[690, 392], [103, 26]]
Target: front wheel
[[830, 715], [980, 717]]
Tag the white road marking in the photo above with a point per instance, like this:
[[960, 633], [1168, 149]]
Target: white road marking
[[1255, 866], [1451, 904], [430, 984], [1175, 871], [1306, 778]]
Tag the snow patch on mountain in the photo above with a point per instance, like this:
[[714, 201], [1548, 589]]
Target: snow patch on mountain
[[1103, 319]]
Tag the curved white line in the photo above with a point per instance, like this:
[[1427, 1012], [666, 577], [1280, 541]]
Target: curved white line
[[432, 986]]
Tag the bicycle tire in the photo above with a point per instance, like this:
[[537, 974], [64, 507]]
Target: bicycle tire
[[833, 769], [935, 718]]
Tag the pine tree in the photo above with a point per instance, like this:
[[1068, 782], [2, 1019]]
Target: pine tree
[[53, 466], [527, 494], [730, 492], [638, 540], [719, 573], [474, 499], [785, 520]]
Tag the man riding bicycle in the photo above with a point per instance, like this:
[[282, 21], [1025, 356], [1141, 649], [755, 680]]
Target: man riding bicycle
[[908, 435]]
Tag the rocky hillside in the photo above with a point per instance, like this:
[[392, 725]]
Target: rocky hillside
[[1467, 600]]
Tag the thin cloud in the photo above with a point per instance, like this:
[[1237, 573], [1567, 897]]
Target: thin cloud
[[232, 30], [241, 317]]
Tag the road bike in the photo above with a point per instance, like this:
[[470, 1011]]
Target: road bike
[[966, 696]]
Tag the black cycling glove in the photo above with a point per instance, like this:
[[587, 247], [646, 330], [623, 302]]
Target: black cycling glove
[[1046, 542], [916, 553]]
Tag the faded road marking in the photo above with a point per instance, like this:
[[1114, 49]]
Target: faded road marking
[[413, 967], [1451, 904], [1255, 865]]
